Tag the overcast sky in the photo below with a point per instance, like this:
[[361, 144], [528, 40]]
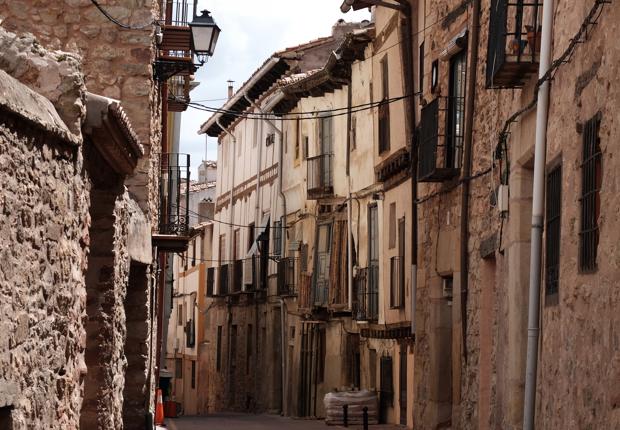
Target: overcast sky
[[252, 30]]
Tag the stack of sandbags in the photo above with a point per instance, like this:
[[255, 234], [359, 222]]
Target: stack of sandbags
[[356, 400]]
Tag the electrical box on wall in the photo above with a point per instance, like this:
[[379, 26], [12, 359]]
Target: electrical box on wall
[[502, 198]]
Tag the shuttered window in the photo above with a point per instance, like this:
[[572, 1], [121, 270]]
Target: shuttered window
[[552, 239], [591, 178]]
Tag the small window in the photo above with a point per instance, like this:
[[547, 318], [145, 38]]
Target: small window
[[180, 314], [218, 352], [384, 109], [306, 147], [456, 110], [178, 368], [250, 235], [553, 211], [277, 238], [210, 281], [421, 72], [392, 226], [591, 179], [353, 132], [193, 374]]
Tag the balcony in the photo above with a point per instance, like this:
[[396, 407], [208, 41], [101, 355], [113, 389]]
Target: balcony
[[366, 304], [287, 279], [514, 42], [320, 177], [178, 93], [173, 217], [174, 55], [441, 139]]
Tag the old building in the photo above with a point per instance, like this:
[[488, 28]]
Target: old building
[[84, 125]]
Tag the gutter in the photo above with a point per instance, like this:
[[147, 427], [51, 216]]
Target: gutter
[[538, 204]]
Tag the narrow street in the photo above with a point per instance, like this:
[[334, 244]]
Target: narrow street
[[232, 421]]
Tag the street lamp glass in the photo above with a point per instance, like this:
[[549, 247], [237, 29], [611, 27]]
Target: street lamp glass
[[205, 33]]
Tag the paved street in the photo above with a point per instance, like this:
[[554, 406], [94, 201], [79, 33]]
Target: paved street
[[230, 421]]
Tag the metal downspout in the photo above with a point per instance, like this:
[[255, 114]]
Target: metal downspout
[[283, 347], [538, 202], [349, 204], [466, 172]]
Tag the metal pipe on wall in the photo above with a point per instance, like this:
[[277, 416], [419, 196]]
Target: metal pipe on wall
[[466, 171], [538, 203]]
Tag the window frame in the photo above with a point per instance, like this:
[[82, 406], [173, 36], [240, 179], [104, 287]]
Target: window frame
[[455, 118], [553, 229]]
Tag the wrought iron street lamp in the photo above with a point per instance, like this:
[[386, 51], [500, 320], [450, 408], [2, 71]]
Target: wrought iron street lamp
[[204, 35]]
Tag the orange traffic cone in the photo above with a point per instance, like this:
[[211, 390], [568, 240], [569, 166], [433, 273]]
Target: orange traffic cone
[[159, 409]]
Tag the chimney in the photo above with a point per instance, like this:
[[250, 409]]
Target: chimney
[[230, 89]]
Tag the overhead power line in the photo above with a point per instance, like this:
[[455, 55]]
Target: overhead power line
[[116, 21]]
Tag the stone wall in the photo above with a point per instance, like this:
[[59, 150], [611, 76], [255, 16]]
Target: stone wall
[[116, 63], [44, 240]]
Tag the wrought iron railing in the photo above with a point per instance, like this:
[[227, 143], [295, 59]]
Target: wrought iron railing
[[366, 303], [397, 282], [514, 42], [441, 139], [287, 276], [174, 194], [177, 12], [320, 176]]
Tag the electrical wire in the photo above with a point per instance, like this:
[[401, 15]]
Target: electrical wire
[[200, 216], [453, 186], [117, 22]]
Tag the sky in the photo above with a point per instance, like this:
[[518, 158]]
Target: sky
[[252, 30]]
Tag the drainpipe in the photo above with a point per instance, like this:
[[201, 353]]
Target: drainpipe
[[283, 348], [538, 202], [349, 203], [232, 179], [280, 165], [466, 172]]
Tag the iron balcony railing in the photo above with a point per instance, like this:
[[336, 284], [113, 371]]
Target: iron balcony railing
[[223, 274], [320, 176], [174, 194], [366, 283], [287, 278], [397, 282], [514, 42], [177, 12], [441, 139]]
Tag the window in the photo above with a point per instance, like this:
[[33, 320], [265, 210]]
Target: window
[[250, 235], [277, 238], [178, 368], [384, 109], [591, 178], [210, 281], [193, 374], [297, 140], [180, 314], [6, 420], [236, 243], [421, 71], [306, 147], [456, 110], [552, 239], [218, 352], [193, 252], [185, 260], [222, 248], [392, 226], [353, 132]]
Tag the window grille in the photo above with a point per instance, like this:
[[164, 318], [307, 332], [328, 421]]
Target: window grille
[[591, 176], [552, 238]]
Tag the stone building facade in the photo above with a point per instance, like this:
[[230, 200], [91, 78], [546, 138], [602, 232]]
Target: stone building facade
[[105, 316]]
